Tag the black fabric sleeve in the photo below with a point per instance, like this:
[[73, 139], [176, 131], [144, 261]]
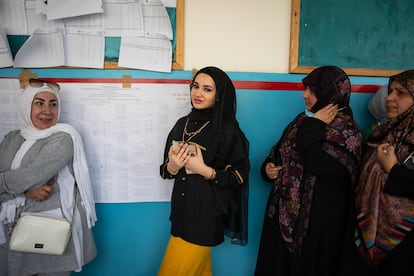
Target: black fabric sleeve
[[400, 182], [237, 169], [165, 174]]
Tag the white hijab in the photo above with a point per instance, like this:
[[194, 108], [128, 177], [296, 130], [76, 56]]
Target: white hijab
[[65, 179], [376, 105]]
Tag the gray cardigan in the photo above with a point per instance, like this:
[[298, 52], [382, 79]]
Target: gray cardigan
[[41, 163]]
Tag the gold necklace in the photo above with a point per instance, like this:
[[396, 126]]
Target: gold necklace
[[193, 133]]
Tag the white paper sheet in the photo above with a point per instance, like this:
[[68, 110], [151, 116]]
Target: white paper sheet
[[85, 49], [169, 3], [156, 20], [144, 53], [42, 49], [9, 92], [13, 17], [91, 22], [6, 57], [68, 8], [36, 19], [123, 18], [124, 132], [125, 137]]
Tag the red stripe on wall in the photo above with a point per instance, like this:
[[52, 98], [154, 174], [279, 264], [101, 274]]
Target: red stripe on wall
[[263, 85], [365, 88], [239, 84], [268, 85], [119, 80]]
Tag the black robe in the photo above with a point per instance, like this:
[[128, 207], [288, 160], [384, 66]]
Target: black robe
[[331, 211]]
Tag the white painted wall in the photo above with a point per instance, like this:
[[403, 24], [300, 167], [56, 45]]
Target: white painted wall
[[237, 35]]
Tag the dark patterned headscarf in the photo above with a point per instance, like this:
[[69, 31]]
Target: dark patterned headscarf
[[294, 187], [384, 220], [323, 80]]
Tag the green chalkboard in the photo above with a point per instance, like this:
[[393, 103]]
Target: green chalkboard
[[365, 37]]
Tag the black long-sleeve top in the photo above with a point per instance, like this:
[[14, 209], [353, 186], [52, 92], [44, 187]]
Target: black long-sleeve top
[[198, 206]]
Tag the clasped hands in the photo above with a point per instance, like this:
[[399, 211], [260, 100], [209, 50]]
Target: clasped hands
[[189, 156]]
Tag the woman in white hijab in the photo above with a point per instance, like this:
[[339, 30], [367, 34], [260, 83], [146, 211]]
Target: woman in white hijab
[[376, 107], [39, 166]]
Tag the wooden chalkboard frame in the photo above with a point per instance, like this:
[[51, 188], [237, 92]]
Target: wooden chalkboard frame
[[178, 62], [295, 67]]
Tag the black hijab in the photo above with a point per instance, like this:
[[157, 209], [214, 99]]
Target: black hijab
[[224, 111], [226, 129]]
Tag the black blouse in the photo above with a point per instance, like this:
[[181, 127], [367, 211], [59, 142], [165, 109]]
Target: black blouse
[[200, 207]]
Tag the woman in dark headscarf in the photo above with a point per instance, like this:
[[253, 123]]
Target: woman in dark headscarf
[[207, 154], [313, 168], [385, 191]]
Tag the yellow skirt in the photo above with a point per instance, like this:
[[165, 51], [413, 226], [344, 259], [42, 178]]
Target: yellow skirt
[[182, 258]]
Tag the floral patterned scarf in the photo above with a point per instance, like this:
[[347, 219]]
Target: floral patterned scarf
[[383, 219], [293, 189]]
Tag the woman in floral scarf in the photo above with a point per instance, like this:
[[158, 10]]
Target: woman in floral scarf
[[313, 168], [385, 190]]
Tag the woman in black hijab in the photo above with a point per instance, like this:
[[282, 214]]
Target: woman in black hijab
[[313, 168], [207, 155]]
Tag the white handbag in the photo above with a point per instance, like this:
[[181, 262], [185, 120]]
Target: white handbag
[[36, 233]]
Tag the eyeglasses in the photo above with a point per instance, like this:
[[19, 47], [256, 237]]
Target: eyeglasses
[[37, 83]]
